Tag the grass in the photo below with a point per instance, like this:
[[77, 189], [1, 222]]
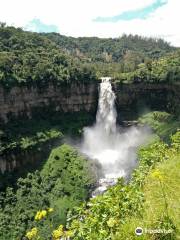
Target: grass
[[154, 212], [161, 208], [154, 205]]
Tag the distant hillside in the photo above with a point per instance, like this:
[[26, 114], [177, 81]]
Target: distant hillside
[[111, 56], [28, 58], [111, 49]]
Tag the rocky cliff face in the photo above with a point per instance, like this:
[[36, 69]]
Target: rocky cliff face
[[130, 100], [16, 160], [20, 101], [23, 102], [134, 99]]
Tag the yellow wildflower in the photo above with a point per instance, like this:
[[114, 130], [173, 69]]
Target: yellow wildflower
[[50, 210], [156, 174], [60, 227], [40, 215], [31, 234], [43, 213], [56, 234]]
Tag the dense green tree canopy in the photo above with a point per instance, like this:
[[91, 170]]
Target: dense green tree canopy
[[63, 182], [28, 58], [165, 69], [95, 49]]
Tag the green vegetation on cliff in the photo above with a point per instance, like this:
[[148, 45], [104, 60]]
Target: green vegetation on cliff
[[150, 200], [161, 190], [24, 133], [164, 124], [36, 137], [117, 213], [63, 182]]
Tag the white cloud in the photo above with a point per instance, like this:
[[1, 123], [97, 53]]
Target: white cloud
[[74, 18]]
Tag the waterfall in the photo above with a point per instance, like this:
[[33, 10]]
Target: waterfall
[[114, 150], [106, 114]]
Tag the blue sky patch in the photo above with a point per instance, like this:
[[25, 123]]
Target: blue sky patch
[[142, 13], [36, 25]]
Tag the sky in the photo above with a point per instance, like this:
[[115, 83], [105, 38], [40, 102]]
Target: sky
[[101, 18]]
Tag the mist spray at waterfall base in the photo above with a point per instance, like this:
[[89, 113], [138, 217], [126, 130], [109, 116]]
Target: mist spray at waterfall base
[[114, 148]]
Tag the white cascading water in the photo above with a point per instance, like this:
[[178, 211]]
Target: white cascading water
[[115, 150], [106, 114]]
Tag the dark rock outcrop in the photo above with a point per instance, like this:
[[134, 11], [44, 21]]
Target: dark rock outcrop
[[134, 99], [22, 101]]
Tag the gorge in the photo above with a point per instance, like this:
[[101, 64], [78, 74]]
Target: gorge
[[33, 103], [86, 157]]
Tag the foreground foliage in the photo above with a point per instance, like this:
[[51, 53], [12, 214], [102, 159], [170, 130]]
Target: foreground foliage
[[42, 204], [161, 207], [146, 200], [63, 182], [108, 216]]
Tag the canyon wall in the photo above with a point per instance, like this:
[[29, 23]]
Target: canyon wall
[[134, 99], [22, 101], [131, 101], [28, 102], [18, 159]]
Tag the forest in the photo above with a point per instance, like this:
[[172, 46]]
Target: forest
[[52, 198], [31, 58]]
